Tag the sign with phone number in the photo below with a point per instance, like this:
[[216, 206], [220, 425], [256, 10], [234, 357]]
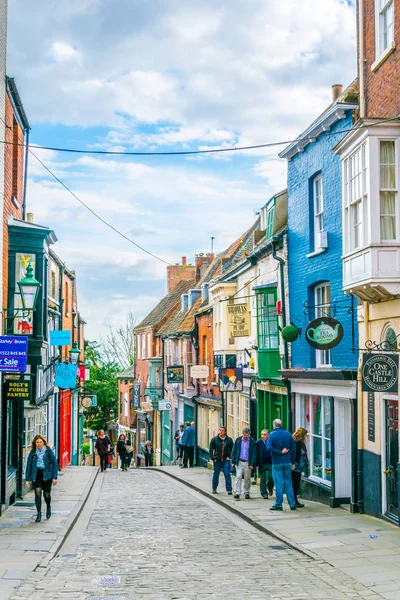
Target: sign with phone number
[[13, 353]]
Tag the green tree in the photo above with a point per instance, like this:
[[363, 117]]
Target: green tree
[[103, 382]]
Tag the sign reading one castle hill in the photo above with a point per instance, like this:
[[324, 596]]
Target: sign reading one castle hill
[[324, 333], [238, 320], [380, 373]]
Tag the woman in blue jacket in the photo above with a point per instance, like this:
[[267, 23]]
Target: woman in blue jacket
[[41, 472]]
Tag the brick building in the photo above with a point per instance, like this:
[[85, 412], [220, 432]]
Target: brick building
[[323, 385], [370, 156], [3, 54]]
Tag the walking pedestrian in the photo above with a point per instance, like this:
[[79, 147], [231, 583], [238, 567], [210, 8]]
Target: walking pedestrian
[[221, 447], [283, 453], [189, 442], [41, 471], [244, 457], [111, 456], [122, 450], [264, 463], [148, 454], [301, 462], [102, 448], [178, 443]]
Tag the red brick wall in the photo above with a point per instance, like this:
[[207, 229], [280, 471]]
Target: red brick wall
[[13, 183], [382, 97], [68, 289], [206, 355], [177, 273]]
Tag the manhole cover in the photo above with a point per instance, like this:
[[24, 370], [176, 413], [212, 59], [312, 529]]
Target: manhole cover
[[348, 531], [278, 547], [110, 580], [72, 555]]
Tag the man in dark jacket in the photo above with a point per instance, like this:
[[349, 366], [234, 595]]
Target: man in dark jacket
[[220, 453], [264, 464], [283, 452], [188, 442], [244, 458]]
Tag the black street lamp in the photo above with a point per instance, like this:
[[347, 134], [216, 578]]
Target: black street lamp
[[74, 354]]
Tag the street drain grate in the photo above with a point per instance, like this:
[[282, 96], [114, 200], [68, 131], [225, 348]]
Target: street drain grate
[[278, 547], [110, 580], [348, 531], [24, 504], [71, 555]]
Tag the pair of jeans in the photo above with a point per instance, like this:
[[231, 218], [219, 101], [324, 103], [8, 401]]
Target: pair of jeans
[[264, 471], [282, 474], [188, 455], [225, 467], [148, 461], [242, 468]]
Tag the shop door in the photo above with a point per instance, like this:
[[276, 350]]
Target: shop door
[[392, 457], [166, 437]]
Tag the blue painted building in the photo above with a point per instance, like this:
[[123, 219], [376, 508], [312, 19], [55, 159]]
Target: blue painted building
[[323, 382]]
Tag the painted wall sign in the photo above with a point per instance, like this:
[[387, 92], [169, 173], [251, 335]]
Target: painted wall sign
[[175, 374], [66, 376], [371, 416], [238, 320], [324, 333], [18, 390], [136, 395], [200, 371], [380, 373], [231, 380], [13, 353], [60, 337]]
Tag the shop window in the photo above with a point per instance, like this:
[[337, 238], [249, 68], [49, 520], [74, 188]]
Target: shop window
[[267, 320], [315, 416], [230, 361]]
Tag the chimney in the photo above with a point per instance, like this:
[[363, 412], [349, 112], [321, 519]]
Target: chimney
[[177, 273], [202, 262], [184, 260], [30, 218], [184, 301], [337, 90]]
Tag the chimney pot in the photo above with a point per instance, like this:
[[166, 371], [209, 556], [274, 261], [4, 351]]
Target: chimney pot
[[184, 260], [30, 217], [337, 90]]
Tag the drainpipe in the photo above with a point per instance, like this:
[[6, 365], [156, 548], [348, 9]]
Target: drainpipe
[[282, 284], [27, 131], [360, 420], [361, 58]]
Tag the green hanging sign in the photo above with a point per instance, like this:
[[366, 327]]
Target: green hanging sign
[[324, 333]]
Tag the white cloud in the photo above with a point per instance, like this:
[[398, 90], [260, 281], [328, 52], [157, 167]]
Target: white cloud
[[62, 52]]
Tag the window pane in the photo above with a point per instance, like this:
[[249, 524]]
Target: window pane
[[327, 417], [388, 215], [388, 165], [317, 466], [328, 460], [316, 415]]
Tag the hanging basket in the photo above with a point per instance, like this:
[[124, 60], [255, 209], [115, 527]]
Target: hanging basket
[[290, 333]]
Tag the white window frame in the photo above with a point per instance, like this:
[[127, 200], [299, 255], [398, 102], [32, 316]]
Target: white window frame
[[143, 345], [318, 214], [393, 190], [383, 9], [355, 199], [322, 292]]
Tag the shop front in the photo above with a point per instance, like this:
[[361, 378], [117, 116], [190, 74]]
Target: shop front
[[208, 422], [272, 403], [327, 409]]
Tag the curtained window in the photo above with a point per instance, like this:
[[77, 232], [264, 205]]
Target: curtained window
[[388, 191]]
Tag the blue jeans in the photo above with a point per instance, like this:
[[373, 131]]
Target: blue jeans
[[282, 475], [224, 466]]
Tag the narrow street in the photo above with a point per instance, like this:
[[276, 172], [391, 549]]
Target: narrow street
[[151, 537]]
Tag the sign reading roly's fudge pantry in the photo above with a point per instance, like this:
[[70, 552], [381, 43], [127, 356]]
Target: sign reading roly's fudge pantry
[[380, 373], [18, 390]]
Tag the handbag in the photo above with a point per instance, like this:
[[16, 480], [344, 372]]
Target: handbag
[[129, 449]]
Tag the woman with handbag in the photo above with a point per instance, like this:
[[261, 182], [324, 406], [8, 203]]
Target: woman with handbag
[[41, 472], [148, 453], [301, 465], [102, 448]]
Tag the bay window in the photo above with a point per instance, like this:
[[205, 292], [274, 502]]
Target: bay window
[[388, 191], [315, 416], [355, 198]]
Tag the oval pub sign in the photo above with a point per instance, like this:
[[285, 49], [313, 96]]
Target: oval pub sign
[[324, 333]]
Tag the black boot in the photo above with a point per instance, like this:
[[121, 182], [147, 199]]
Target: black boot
[[38, 518], [48, 512]]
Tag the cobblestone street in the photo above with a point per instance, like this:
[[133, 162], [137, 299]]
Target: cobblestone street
[[148, 536]]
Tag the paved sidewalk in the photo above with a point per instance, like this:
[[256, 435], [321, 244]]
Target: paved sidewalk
[[26, 545], [334, 535]]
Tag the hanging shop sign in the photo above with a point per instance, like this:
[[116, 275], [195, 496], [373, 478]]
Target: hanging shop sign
[[231, 379], [60, 337], [238, 320], [18, 390], [66, 376], [136, 395], [380, 373], [89, 401], [13, 353], [164, 405], [175, 374], [200, 371], [324, 333]]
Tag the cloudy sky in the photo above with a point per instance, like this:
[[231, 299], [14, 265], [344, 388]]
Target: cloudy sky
[[160, 75]]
